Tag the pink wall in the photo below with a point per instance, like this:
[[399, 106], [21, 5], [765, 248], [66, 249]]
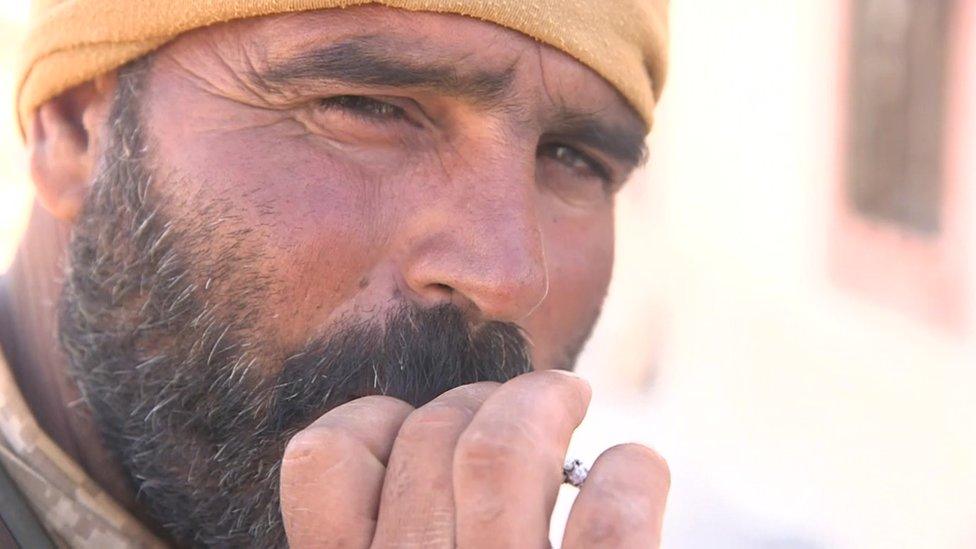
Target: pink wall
[[923, 276]]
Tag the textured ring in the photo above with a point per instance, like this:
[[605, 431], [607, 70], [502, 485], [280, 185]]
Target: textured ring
[[574, 472]]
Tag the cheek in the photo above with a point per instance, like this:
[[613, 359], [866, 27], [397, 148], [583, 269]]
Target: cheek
[[306, 225], [579, 255]]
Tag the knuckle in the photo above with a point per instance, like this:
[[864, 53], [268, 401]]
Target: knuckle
[[301, 445], [315, 444], [487, 453], [572, 391], [432, 419], [373, 406], [474, 394], [382, 403], [564, 379]]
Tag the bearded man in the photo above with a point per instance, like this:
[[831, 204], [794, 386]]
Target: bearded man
[[310, 276]]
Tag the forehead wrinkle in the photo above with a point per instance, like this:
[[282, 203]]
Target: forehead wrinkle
[[372, 60]]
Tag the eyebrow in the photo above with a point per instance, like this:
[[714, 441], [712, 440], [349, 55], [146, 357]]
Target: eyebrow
[[370, 61]]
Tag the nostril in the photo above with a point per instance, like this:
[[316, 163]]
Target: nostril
[[433, 294], [437, 292]]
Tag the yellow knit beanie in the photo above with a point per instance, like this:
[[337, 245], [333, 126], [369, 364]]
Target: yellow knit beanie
[[71, 41]]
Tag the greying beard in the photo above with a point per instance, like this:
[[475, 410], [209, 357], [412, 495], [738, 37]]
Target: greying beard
[[176, 381]]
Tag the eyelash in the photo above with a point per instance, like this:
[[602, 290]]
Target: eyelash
[[374, 110], [557, 151], [364, 107]]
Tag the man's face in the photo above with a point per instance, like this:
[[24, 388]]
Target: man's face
[[330, 204], [376, 157]]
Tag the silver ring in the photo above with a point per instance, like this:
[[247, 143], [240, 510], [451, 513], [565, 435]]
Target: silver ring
[[574, 472]]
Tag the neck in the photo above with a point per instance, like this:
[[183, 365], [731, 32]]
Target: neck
[[28, 337]]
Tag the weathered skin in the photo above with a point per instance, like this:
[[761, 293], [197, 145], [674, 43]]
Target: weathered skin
[[455, 201]]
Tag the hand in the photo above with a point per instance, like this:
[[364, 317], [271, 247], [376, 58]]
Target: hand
[[479, 466]]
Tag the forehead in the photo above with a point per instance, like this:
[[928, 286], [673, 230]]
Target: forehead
[[542, 77]]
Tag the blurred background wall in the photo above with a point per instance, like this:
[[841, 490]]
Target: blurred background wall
[[807, 366], [806, 361], [15, 193]]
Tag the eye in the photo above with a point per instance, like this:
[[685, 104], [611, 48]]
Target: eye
[[579, 162], [367, 108]]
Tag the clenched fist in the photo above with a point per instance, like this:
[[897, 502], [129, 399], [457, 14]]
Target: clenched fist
[[480, 466]]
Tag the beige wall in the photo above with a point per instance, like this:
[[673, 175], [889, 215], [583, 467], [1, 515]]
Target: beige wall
[[794, 398], [14, 190]]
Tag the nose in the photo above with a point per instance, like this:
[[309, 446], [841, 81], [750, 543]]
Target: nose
[[479, 245]]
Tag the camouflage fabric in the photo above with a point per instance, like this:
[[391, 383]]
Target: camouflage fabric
[[74, 510]]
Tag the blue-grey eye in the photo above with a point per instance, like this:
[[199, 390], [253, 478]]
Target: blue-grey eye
[[575, 160]]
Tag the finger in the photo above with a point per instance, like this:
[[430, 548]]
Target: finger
[[417, 507], [508, 462], [332, 473], [621, 503]]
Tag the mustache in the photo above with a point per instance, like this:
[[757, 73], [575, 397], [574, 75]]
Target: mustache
[[415, 356]]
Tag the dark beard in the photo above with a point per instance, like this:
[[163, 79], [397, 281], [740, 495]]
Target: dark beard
[[180, 387]]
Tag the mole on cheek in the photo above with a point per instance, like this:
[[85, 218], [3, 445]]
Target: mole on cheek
[[363, 282]]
